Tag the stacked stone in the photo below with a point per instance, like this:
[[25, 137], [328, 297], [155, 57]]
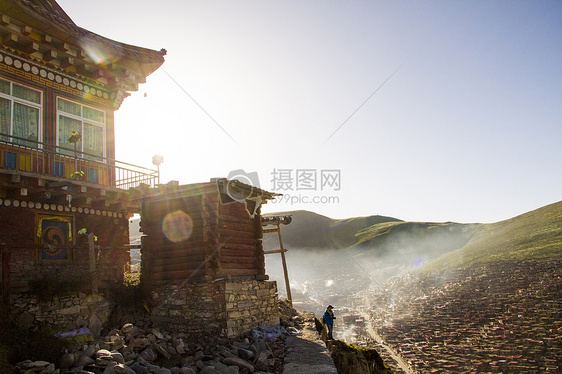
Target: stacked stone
[[72, 310], [131, 350], [235, 307], [250, 304]]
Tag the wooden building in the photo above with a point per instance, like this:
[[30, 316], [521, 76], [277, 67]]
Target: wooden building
[[198, 231], [203, 258], [59, 88]]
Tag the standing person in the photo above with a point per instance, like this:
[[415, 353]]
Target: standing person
[[329, 318]]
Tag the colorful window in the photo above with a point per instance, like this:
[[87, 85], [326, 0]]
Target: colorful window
[[20, 114], [88, 121]]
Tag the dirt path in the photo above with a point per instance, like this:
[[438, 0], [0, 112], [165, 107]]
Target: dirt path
[[402, 364]]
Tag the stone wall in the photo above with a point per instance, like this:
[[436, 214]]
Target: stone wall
[[58, 293], [193, 308], [64, 313], [220, 307], [249, 305]]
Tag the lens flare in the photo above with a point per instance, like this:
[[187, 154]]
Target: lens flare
[[97, 54], [177, 226]]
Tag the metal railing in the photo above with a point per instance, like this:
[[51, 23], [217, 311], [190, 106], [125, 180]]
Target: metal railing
[[40, 158]]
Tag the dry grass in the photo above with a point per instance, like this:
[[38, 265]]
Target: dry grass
[[533, 235]]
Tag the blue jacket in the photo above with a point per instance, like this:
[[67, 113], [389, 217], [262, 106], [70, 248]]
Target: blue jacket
[[329, 317]]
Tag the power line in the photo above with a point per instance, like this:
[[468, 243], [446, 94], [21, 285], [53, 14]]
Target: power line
[[356, 263], [200, 107], [364, 102]]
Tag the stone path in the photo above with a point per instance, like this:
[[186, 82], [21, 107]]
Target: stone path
[[307, 353]]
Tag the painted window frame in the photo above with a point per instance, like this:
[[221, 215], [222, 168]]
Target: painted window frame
[[15, 100], [84, 121], [64, 219]]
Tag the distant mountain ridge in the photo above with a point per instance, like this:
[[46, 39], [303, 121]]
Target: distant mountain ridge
[[448, 245], [312, 230], [380, 236]]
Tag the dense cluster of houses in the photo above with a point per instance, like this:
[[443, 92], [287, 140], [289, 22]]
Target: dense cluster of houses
[[500, 318]]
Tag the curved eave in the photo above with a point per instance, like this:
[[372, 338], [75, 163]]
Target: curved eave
[[143, 61]]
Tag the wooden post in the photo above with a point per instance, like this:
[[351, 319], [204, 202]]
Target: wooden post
[[92, 255], [75, 160], [5, 289], [283, 260], [285, 272]]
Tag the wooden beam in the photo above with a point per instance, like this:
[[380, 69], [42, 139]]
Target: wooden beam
[[275, 251], [67, 62], [69, 49], [97, 73], [11, 40], [50, 55], [5, 20], [31, 47], [59, 184]]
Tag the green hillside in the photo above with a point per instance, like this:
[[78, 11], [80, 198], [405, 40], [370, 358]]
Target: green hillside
[[430, 238], [311, 230], [442, 246], [533, 235], [374, 237]]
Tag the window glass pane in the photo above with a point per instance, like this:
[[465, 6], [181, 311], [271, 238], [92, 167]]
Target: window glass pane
[[93, 139], [4, 87], [26, 120], [5, 117], [26, 94], [66, 126], [94, 114], [68, 107]]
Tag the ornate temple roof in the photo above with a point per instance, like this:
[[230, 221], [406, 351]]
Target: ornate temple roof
[[41, 30]]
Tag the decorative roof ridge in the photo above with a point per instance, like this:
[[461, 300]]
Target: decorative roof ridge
[[78, 32], [67, 21], [131, 50]]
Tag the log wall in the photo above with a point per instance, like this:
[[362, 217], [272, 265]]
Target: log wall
[[224, 241], [207, 276]]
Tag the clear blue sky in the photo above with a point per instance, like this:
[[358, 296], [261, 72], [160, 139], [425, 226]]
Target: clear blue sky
[[468, 127]]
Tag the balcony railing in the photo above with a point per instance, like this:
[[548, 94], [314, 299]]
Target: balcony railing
[[50, 160]]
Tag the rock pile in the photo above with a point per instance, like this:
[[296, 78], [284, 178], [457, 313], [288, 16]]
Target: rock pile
[[356, 359], [131, 350]]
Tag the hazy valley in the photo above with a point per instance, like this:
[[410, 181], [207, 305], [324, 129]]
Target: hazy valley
[[445, 297]]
